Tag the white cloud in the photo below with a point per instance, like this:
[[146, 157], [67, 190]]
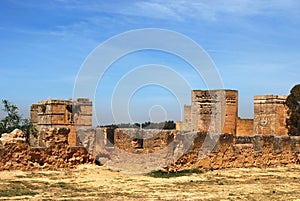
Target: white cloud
[[212, 10], [154, 10]]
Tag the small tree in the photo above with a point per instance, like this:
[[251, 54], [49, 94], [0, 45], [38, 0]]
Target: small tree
[[14, 120], [169, 125], [293, 103]]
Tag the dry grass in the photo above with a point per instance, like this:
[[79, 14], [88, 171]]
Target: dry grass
[[90, 182]]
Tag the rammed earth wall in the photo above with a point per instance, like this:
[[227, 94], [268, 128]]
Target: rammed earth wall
[[191, 150], [205, 151]]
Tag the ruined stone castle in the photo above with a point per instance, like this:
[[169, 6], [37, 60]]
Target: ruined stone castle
[[220, 139], [216, 111]]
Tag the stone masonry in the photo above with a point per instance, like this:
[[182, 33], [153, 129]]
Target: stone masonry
[[214, 111], [72, 114], [244, 127], [270, 114], [205, 114], [186, 124]]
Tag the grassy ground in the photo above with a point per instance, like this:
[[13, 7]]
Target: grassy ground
[[90, 182]]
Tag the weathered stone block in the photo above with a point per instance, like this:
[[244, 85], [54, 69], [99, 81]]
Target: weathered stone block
[[295, 143], [282, 144], [245, 127], [244, 139]]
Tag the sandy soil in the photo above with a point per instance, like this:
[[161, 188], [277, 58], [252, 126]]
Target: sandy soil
[[89, 182]]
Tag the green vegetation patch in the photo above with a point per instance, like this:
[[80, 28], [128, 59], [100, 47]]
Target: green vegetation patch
[[18, 188], [161, 174]]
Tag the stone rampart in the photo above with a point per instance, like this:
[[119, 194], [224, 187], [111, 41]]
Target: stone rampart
[[133, 148], [194, 150], [242, 151]]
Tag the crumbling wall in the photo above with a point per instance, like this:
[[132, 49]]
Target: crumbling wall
[[194, 150], [242, 151], [244, 127], [143, 141], [133, 150], [53, 152], [120, 148]]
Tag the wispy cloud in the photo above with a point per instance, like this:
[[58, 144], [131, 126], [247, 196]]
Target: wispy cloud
[[94, 15], [176, 10], [185, 9], [153, 10], [59, 32]]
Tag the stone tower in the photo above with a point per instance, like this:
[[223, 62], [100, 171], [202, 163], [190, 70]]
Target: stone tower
[[207, 109], [73, 114], [270, 113]]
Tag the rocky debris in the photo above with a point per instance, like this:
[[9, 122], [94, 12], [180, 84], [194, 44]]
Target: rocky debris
[[48, 137], [16, 136], [56, 153]]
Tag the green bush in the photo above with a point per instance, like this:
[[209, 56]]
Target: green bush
[[14, 120]]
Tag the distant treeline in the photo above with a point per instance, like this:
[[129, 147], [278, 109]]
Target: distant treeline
[[167, 125]]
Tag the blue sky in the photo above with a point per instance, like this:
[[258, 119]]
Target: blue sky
[[254, 44]]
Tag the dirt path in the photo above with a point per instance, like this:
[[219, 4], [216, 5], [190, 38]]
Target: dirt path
[[91, 182]]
